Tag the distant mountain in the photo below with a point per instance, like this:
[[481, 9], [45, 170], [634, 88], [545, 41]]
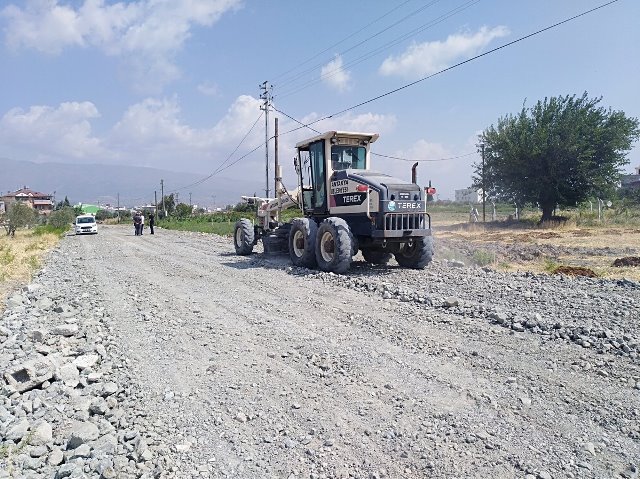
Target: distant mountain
[[101, 183]]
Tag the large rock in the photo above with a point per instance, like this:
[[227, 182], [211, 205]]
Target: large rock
[[86, 361], [29, 375], [66, 330], [18, 430], [69, 375], [82, 433], [41, 434]]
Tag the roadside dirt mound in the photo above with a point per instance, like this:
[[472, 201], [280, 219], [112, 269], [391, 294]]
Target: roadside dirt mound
[[627, 261], [575, 271]]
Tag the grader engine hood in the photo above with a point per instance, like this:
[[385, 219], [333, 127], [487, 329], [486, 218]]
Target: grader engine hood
[[387, 194]]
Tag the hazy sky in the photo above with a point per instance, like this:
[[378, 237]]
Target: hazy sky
[[173, 84]]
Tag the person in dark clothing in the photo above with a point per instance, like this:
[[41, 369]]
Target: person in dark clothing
[[137, 223], [152, 221]]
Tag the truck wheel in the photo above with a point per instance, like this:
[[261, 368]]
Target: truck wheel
[[418, 255], [334, 244], [243, 237], [302, 242], [376, 256]]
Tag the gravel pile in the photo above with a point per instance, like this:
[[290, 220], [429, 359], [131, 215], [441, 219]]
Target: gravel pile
[[67, 405], [594, 313]]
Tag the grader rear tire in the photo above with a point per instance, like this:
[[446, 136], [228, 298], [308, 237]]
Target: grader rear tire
[[302, 242], [334, 245], [243, 237]]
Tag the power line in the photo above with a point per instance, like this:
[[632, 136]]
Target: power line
[[219, 168], [380, 49], [297, 121], [493, 50], [438, 159], [342, 41], [406, 17]]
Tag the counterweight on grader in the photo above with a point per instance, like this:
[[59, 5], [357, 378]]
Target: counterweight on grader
[[346, 207]]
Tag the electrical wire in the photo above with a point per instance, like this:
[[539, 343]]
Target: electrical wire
[[341, 41], [378, 50], [219, 168], [438, 159], [406, 17], [380, 154], [469, 60], [292, 118]]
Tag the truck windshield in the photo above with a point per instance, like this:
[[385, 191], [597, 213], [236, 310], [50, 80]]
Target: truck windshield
[[345, 157]]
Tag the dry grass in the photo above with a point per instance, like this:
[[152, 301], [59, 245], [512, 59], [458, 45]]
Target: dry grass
[[20, 258], [590, 247]]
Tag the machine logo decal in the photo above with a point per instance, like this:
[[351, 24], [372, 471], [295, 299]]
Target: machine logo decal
[[391, 206], [347, 199]]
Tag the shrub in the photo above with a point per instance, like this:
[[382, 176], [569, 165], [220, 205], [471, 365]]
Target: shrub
[[483, 258]]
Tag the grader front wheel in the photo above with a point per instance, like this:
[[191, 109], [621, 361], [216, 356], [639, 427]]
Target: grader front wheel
[[334, 245], [416, 255], [302, 242], [243, 237]]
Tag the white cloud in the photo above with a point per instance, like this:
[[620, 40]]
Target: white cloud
[[152, 133], [334, 75], [155, 133], [209, 89], [62, 133], [422, 59], [146, 33], [364, 122]]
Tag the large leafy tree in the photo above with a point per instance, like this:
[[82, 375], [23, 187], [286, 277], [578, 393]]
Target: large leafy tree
[[559, 152]]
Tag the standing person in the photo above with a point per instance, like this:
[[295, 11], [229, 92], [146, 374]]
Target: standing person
[[151, 222], [141, 222], [137, 223]]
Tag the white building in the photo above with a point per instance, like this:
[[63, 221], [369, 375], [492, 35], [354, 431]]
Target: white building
[[631, 181], [468, 195]]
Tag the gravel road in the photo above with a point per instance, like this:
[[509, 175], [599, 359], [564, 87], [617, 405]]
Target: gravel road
[[169, 356]]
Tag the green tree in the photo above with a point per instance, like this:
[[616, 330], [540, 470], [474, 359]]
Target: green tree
[[183, 210], [62, 204], [19, 215], [559, 152], [169, 204], [62, 218]]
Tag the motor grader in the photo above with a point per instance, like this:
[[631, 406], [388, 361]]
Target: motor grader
[[346, 207]]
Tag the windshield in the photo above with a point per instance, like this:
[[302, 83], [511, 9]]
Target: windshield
[[85, 220], [345, 157]]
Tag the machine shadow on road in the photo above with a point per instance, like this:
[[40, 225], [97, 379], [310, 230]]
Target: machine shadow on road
[[279, 261]]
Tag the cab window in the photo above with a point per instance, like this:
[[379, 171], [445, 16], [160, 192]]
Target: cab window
[[348, 157]]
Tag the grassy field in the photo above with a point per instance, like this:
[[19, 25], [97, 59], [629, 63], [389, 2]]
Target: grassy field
[[220, 223], [21, 256]]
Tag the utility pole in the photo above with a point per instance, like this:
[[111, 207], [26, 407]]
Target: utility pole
[[118, 208], [267, 97], [276, 167], [155, 202], [190, 200], [164, 206], [483, 193]]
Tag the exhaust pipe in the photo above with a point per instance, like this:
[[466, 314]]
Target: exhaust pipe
[[414, 174]]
